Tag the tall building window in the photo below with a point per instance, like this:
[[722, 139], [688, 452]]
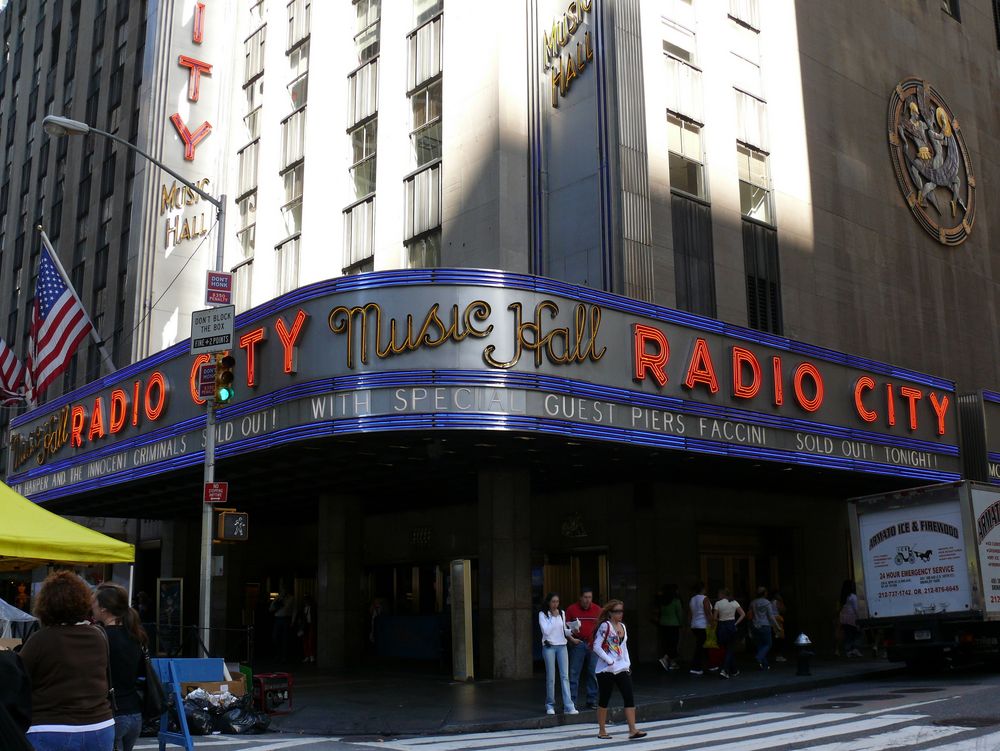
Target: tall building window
[[362, 172], [247, 170], [694, 258], [291, 210], [298, 89], [424, 10], [293, 135], [746, 12], [760, 259], [286, 264], [745, 59], [366, 38], [247, 232], [253, 49], [298, 21], [687, 168], [362, 93], [242, 284], [359, 231], [424, 46], [425, 133], [755, 184], [422, 217], [683, 77]]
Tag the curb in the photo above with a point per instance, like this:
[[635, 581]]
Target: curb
[[654, 710]]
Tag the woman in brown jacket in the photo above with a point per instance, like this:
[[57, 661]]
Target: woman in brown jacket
[[67, 661]]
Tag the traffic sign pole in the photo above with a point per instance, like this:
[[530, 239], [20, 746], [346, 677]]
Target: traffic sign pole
[[205, 572]]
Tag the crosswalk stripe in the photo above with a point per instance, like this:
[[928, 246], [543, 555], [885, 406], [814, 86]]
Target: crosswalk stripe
[[904, 738], [587, 732], [769, 735], [259, 743], [476, 740], [989, 742]]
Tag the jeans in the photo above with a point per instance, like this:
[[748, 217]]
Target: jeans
[[90, 740], [127, 729], [698, 658], [555, 656], [581, 668], [726, 635], [762, 638]]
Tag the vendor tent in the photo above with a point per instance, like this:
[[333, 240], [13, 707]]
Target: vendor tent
[[31, 536], [14, 623]]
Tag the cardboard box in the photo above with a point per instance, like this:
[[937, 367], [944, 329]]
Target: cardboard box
[[237, 686]]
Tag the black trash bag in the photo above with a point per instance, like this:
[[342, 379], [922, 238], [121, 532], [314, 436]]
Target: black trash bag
[[243, 702], [263, 721], [199, 721], [238, 720], [150, 727], [198, 702]]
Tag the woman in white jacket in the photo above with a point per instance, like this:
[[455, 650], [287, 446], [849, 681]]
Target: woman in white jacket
[[555, 633], [613, 667]]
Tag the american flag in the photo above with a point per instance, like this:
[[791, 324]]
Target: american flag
[[59, 323], [11, 369]]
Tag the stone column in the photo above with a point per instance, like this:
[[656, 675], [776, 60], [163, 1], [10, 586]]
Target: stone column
[[340, 621], [505, 633]]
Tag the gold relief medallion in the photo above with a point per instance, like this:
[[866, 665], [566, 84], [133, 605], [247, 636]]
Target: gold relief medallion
[[931, 161]]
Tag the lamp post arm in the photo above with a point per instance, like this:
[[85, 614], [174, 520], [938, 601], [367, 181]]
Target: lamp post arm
[[183, 180]]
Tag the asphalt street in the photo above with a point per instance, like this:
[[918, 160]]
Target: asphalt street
[[957, 711]]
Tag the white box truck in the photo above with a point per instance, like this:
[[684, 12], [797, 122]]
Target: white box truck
[[927, 567]]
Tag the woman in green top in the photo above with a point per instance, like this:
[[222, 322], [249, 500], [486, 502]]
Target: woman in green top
[[669, 616]]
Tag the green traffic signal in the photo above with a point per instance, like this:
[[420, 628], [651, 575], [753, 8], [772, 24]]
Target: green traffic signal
[[224, 391]]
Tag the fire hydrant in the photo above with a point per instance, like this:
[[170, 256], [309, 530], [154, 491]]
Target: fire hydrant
[[802, 643]]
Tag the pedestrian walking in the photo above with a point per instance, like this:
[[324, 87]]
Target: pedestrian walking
[[669, 614], [849, 618], [283, 608], [67, 662], [15, 702], [701, 614], [615, 668], [728, 616], [126, 641], [762, 626], [778, 612], [555, 635], [582, 660], [306, 628]]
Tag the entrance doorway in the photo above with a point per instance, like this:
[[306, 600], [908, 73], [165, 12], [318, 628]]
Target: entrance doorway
[[567, 574], [740, 561], [409, 612]]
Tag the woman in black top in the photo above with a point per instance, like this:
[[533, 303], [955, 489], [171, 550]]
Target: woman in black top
[[126, 639]]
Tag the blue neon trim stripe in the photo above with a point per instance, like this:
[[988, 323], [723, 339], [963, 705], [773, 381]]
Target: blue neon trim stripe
[[991, 396], [384, 423], [504, 279], [498, 379]]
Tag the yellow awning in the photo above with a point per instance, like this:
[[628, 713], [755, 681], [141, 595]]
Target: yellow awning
[[31, 536]]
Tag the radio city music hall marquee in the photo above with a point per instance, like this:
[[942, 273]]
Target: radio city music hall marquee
[[485, 350]]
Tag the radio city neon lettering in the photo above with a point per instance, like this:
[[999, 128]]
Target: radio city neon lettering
[[196, 69], [106, 416], [565, 69], [651, 352]]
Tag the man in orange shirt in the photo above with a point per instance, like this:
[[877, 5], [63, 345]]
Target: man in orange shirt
[[582, 660]]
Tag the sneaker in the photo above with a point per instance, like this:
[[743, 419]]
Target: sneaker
[[723, 674], [591, 705], [697, 672], [550, 710], [713, 670], [664, 663], [573, 710], [780, 658], [674, 666], [734, 673]]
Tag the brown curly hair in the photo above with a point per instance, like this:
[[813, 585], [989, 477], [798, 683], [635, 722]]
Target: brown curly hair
[[63, 598]]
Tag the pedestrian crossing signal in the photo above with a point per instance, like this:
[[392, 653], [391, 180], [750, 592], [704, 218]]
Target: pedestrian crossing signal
[[234, 525], [224, 377]]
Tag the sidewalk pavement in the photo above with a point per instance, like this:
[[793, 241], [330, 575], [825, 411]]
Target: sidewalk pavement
[[384, 703]]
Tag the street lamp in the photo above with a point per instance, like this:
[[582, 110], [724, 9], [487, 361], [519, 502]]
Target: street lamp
[[55, 125]]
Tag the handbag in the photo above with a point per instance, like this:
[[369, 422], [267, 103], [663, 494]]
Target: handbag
[[151, 690]]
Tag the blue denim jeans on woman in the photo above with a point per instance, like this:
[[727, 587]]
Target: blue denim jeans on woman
[[89, 740], [762, 638], [556, 658], [127, 729], [726, 636]]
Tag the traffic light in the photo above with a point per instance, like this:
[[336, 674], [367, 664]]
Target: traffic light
[[224, 390]]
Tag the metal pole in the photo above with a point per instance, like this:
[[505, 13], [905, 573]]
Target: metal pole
[[205, 609]]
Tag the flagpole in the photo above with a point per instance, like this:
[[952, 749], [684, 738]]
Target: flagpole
[[93, 329]]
